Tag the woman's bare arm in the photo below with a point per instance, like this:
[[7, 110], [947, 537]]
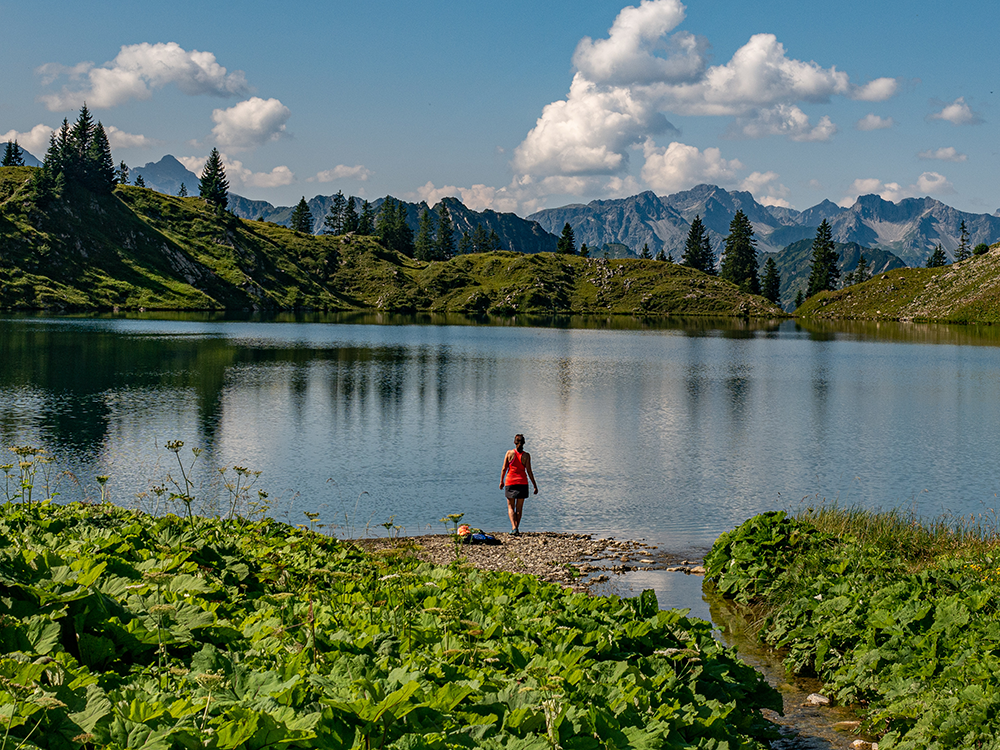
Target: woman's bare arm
[[503, 471], [526, 460]]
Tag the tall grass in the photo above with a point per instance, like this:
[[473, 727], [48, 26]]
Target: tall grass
[[901, 533]]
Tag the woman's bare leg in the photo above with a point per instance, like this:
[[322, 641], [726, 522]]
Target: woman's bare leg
[[514, 510]]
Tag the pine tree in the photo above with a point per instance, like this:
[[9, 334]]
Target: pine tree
[[404, 232], [937, 258], [567, 242], [824, 273], [392, 229], [493, 244], [77, 164], [100, 166], [445, 233], [366, 221], [424, 246], [698, 248], [121, 176], [183, 192], [799, 299], [334, 221], [584, 250], [302, 218], [739, 264], [644, 253], [480, 239], [861, 273], [213, 186], [139, 182], [13, 156], [770, 284], [464, 244], [964, 251], [661, 256], [350, 216]]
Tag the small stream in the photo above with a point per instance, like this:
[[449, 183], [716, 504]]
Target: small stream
[[803, 727]]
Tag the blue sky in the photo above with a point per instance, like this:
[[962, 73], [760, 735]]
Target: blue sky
[[521, 105]]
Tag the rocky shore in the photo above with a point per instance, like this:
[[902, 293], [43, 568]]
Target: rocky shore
[[575, 561]]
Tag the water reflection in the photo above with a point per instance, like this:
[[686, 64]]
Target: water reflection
[[663, 430]]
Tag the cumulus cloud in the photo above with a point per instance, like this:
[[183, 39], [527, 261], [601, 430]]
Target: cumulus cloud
[[121, 139], [874, 122], [342, 172], [765, 187], [477, 197], [241, 176], [627, 84], [928, 183], [135, 72], [948, 153], [957, 113], [250, 123], [679, 166], [35, 141]]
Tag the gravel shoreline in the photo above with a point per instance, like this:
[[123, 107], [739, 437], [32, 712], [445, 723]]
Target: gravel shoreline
[[575, 561]]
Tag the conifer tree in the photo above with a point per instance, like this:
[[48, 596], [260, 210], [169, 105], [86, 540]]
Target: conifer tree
[[584, 250], [13, 156], [213, 186], [661, 256], [464, 244], [99, 165], [121, 175], [567, 242], [183, 191], [937, 258], [350, 216], [799, 299], [981, 249], [445, 233], [964, 251], [824, 273], [739, 264], [425, 245], [493, 244], [644, 253], [392, 229], [76, 163], [480, 239], [770, 284], [302, 218], [861, 273], [139, 182], [698, 248], [366, 221], [334, 221], [404, 232]]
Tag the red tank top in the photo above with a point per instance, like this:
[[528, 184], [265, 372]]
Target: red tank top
[[515, 470]]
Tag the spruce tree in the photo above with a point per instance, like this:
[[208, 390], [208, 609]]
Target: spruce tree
[[445, 233], [698, 248], [567, 242], [661, 256], [13, 156], [824, 273], [366, 221], [403, 231], [480, 239], [964, 250], [584, 250], [493, 244], [644, 253], [937, 258], [139, 182], [799, 299], [334, 221], [770, 284], [100, 166], [302, 218], [739, 264], [213, 186], [425, 246], [861, 273], [183, 191], [77, 164], [121, 175], [464, 244], [350, 216]]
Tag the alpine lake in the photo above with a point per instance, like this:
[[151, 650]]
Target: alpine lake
[[669, 431]]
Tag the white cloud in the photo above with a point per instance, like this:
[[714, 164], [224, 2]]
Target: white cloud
[[241, 176], [120, 139], [35, 141], [948, 153], [250, 123], [137, 70], [342, 172], [874, 122], [783, 119], [679, 166], [928, 183], [628, 83], [765, 187], [875, 91], [957, 113]]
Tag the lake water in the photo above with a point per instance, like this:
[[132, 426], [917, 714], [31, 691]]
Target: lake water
[[671, 431]]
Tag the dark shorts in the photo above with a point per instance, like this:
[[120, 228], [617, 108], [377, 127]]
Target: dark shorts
[[516, 491]]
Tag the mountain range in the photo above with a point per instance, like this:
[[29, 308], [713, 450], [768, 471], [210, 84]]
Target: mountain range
[[909, 229]]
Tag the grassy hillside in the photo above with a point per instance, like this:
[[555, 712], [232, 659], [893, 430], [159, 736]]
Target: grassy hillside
[[141, 249], [966, 292]]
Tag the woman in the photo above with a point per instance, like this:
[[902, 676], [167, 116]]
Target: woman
[[514, 481]]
